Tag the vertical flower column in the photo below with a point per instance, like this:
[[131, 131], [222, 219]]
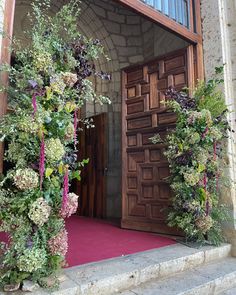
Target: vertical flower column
[[196, 162], [48, 87]]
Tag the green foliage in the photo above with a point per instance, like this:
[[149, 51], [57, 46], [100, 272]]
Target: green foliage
[[210, 98], [196, 152], [48, 84]]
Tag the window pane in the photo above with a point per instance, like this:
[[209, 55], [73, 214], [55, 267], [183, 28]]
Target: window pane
[[175, 9], [172, 9], [165, 8], [150, 2], [157, 4]]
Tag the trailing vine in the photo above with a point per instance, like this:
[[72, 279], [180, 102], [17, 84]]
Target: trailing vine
[[48, 86], [196, 151]]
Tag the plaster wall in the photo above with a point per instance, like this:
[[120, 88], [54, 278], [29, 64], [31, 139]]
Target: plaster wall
[[128, 38], [219, 34]]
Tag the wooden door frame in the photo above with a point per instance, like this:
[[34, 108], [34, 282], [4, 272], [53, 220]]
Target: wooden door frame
[[5, 57]]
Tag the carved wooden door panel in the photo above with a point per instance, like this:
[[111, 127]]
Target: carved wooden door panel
[[145, 193]]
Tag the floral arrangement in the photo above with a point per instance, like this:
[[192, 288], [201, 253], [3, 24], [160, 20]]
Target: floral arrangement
[[48, 85], [196, 151]]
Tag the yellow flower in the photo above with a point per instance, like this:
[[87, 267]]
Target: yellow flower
[[42, 61]]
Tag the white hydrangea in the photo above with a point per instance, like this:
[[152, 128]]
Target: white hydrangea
[[26, 179], [39, 212], [54, 150]]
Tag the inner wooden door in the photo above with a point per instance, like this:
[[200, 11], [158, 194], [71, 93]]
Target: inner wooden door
[[145, 191], [92, 188]]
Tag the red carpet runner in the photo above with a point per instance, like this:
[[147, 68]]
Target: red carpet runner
[[92, 240]]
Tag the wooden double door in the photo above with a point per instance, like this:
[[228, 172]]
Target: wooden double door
[[145, 192]]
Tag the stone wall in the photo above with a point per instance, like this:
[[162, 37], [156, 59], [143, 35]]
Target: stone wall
[[128, 38], [219, 34]]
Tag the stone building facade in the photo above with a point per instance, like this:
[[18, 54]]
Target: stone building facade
[[129, 38]]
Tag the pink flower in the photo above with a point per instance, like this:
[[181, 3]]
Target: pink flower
[[75, 126], [65, 189], [58, 245], [42, 161], [71, 206]]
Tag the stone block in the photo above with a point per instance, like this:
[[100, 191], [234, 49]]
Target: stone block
[[11, 287], [110, 285], [108, 44], [119, 40], [126, 12], [112, 26], [98, 10], [119, 18], [134, 41], [133, 20], [67, 287], [228, 292], [180, 264], [123, 59], [130, 30], [213, 253], [206, 289], [29, 286], [135, 59], [104, 4], [146, 26], [101, 32], [127, 51], [226, 282], [113, 54], [148, 273]]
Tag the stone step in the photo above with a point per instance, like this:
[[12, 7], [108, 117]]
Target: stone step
[[229, 292], [209, 279], [110, 276], [113, 275]]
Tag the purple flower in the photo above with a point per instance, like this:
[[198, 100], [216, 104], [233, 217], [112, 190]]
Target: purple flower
[[33, 83]]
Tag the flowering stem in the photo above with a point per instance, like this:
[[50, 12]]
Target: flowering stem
[[34, 104], [205, 132], [207, 200], [42, 161], [75, 126], [65, 189]]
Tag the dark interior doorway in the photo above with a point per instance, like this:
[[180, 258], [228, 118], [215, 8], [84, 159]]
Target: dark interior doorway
[[92, 188]]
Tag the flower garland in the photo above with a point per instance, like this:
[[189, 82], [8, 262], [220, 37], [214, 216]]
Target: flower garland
[[197, 156]]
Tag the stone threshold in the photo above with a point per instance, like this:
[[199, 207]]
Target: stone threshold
[[111, 276]]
